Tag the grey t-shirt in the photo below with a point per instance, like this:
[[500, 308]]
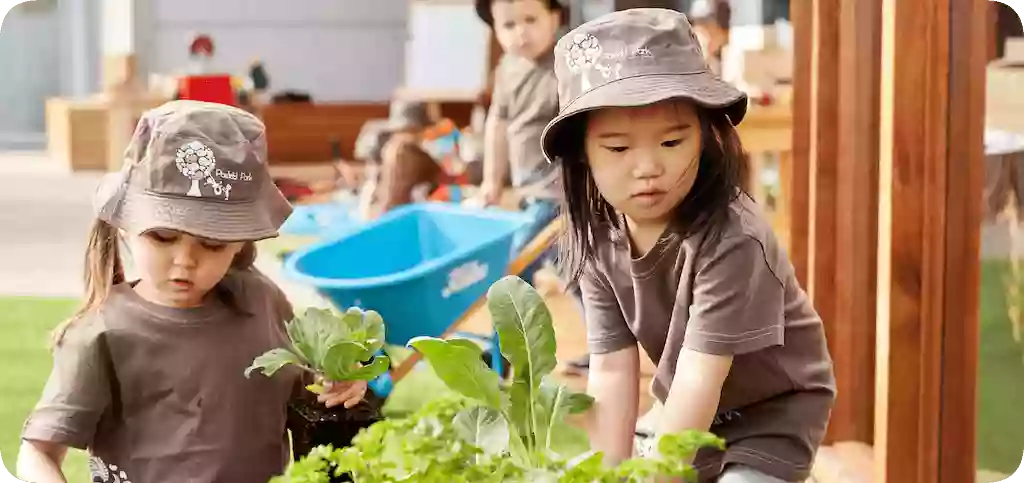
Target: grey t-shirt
[[736, 297], [158, 394], [526, 96]]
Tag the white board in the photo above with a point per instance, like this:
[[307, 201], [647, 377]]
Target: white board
[[448, 48]]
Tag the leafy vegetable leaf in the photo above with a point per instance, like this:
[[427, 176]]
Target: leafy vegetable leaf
[[484, 428], [272, 361], [527, 339], [473, 346], [555, 402], [461, 369], [369, 372], [330, 345], [525, 329]]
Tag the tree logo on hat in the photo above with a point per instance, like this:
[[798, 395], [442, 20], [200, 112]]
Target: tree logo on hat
[[196, 162], [582, 56]]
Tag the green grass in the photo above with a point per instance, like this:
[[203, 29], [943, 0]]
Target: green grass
[[25, 324], [1001, 378], [24, 365]]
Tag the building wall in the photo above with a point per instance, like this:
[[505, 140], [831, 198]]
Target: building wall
[[30, 54], [335, 50]]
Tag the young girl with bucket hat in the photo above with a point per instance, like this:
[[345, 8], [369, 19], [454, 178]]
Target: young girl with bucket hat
[[149, 376], [670, 253]]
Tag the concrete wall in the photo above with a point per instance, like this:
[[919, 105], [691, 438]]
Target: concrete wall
[[30, 56]]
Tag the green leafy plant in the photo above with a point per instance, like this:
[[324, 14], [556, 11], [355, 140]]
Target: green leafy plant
[[494, 431], [336, 348]]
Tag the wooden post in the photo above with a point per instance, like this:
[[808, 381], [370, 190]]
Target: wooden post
[[933, 81], [824, 150], [852, 330], [798, 183], [834, 190]]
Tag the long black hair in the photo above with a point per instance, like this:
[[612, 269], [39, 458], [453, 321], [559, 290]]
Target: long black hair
[[721, 178]]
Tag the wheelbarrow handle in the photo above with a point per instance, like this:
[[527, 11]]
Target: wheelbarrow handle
[[536, 247]]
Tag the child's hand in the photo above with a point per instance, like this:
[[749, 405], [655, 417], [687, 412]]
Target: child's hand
[[348, 393]]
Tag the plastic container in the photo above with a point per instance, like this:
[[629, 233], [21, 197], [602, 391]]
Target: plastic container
[[421, 266]]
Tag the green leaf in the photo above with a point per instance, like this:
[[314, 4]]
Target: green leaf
[[473, 346], [341, 359], [461, 369], [484, 428], [525, 329], [315, 388], [369, 372], [684, 445], [555, 402], [272, 361], [375, 335], [527, 339]]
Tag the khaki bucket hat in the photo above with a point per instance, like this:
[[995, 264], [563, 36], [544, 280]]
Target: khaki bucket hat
[[196, 167], [634, 58]]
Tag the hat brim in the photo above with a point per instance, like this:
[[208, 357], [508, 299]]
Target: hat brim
[[703, 88], [142, 211]]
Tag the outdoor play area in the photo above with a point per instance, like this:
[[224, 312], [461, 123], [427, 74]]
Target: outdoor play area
[[890, 166]]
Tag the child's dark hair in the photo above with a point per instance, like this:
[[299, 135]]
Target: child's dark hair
[[104, 270], [483, 9], [721, 178]]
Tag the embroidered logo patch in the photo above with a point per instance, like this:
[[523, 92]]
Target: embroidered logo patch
[[196, 162], [104, 473], [582, 55]]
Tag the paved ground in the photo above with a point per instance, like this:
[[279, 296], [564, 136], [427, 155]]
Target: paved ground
[[45, 213], [44, 218]]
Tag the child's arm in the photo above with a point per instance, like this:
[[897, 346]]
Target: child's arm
[[40, 462], [736, 307], [696, 389], [614, 383], [495, 156], [74, 399], [614, 376]]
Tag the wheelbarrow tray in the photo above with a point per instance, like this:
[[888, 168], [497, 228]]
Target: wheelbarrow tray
[[421, 266]]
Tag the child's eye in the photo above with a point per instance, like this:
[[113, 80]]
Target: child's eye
[[617, 149], [213, 247], [673, 143], [530, 20], [161, 237], [508, 25]]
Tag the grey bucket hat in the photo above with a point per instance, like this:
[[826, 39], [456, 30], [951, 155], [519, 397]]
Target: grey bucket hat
[[634, 58], [196, 167]]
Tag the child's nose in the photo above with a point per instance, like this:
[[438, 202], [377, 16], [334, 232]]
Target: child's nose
[[185, 257], [645, 165]]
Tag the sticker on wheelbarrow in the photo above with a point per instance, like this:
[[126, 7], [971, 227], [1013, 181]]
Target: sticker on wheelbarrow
[[463, 277]]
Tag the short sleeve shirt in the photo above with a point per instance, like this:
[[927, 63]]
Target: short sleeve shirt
[[158, 394], [526, 96], [734, 296]]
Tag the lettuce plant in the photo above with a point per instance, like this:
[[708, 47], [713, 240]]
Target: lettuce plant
[[336, 348], [495, 431]]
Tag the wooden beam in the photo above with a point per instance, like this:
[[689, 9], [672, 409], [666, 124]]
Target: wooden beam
[[834, 190], [824, 181], [798, 183], [852, 329], [933, 81]]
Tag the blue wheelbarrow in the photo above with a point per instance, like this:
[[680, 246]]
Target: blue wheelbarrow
[[424, 267]]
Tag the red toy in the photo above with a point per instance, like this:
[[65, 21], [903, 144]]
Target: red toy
[[207, 88]]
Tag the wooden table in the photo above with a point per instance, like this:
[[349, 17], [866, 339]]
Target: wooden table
[[769, 130], [76, 130]]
